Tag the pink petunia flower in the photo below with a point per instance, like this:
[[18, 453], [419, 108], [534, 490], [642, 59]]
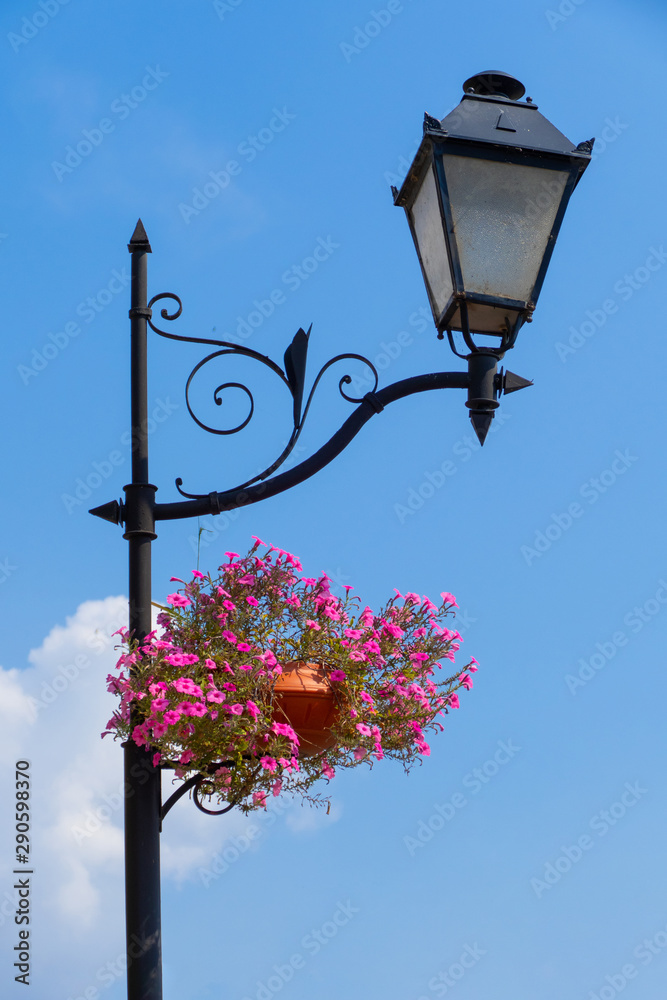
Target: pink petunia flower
[[186, 686], [337, 675], [235, 709], [268, 763], [178, 601], [175, 659], [448, 598], [139, 736], [465, 679], [283, 729], [363, 729], [186, 708], [259, 799], [367, 617], [453, 701], [354, 633]]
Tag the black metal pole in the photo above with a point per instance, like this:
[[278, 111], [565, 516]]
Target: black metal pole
[[142, 780]]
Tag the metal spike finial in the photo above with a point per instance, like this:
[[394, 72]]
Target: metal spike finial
[[139, 239], [481, 422], [512, 382], [111, 511]]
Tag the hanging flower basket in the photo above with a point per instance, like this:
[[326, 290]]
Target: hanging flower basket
[[263, 681]]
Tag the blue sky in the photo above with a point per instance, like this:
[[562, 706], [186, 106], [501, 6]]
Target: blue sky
[[566, 613]]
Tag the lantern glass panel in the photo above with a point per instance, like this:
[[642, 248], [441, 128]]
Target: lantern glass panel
[[503, 214], [429, 234]]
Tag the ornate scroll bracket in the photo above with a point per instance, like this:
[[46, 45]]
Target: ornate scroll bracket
[[293, 376], [194, 784], [482, 381]]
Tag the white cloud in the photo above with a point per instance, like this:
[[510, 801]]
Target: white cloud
[[52, 714]]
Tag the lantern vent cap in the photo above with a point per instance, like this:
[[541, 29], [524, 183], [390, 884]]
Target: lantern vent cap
[[494, 83]]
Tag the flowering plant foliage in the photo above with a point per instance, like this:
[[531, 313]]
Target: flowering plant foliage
[[199, 693]]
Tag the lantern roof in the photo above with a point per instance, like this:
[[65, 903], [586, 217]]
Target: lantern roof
[[492, 112]]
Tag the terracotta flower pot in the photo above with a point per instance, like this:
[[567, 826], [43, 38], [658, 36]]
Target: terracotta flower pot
[[305, 698]]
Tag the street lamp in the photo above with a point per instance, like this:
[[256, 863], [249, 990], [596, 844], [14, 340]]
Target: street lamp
[[485, 197]]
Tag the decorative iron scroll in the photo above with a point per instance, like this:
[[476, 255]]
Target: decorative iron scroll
[[194, 783], [293, 376]]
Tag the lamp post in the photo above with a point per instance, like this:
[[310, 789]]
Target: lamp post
[[485, 197]]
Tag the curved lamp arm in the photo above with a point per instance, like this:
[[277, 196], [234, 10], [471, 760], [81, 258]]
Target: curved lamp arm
[[372, 403]]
